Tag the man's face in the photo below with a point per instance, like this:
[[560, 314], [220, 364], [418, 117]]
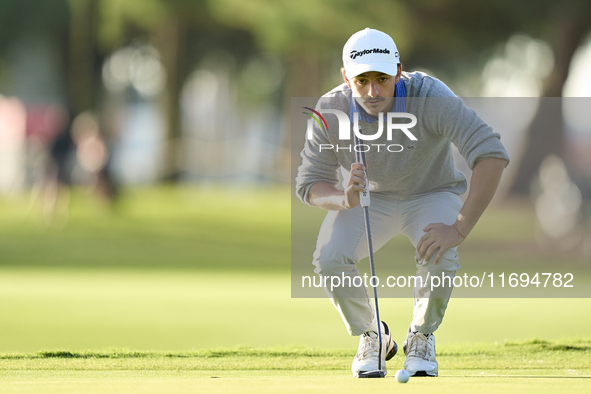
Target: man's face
[[374, 91]]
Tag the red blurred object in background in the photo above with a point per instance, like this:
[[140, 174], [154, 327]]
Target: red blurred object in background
[[45, 121]]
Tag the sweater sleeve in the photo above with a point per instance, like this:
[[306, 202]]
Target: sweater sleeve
[[449, 116], [319, 164]]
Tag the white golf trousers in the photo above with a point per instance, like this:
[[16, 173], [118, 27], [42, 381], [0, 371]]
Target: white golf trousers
[[342, 242]]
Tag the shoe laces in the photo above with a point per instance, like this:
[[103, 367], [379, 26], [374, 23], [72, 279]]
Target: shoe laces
[[369, 346], [419, 346]]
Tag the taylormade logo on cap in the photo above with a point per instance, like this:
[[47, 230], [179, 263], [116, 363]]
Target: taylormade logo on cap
[[370, 50], [355, 54]]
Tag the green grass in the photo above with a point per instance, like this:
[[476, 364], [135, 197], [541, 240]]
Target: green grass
[[178, 286], [283, 382], [533, 366], [155, 227], [77, 309]]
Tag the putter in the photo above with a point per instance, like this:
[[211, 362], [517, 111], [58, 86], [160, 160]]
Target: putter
[[365, 201]]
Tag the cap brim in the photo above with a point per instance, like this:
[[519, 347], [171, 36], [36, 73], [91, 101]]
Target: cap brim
[[386, 68]]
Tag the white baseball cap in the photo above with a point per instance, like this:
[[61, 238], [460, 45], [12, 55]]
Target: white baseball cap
[[370, 50]]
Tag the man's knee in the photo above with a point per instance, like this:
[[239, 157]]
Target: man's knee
[[332, 261]]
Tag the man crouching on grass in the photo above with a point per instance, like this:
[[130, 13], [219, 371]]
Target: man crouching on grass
[[415, 192]]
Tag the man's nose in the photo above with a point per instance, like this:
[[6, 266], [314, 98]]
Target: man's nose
[[373, 89]]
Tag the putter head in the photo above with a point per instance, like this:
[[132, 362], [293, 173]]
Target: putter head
[[372, 374]]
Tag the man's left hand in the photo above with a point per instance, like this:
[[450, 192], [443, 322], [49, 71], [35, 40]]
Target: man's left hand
[[438, 235]]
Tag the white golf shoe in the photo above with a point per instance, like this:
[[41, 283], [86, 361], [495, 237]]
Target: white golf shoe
[[420, 354], [366, 359]]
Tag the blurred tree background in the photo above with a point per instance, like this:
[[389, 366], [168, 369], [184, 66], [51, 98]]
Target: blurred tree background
[[172, 94], [177, 85]]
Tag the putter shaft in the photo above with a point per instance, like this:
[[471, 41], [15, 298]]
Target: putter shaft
[[365, 202]]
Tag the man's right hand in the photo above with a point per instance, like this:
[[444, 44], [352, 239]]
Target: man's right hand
[[324, 195], [356, 184]]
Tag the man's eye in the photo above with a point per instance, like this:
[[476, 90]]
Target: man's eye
[[361, 81], [384, 79]]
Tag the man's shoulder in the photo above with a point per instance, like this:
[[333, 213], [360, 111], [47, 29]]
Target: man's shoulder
[[420, 84], [340, 96], [341, 91]]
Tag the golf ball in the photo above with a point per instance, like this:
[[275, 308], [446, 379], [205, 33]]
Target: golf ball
[[402, 376]]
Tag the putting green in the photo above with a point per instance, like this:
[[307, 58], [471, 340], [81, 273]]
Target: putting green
[[534, 366], [281, 382]]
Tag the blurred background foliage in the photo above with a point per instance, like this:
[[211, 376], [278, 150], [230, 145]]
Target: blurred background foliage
[[199, 91], [156, 134]]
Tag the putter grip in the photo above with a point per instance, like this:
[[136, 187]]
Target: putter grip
[[364, 195]]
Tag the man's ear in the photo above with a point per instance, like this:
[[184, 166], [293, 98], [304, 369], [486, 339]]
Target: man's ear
[[399, 73], [344, 74]]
